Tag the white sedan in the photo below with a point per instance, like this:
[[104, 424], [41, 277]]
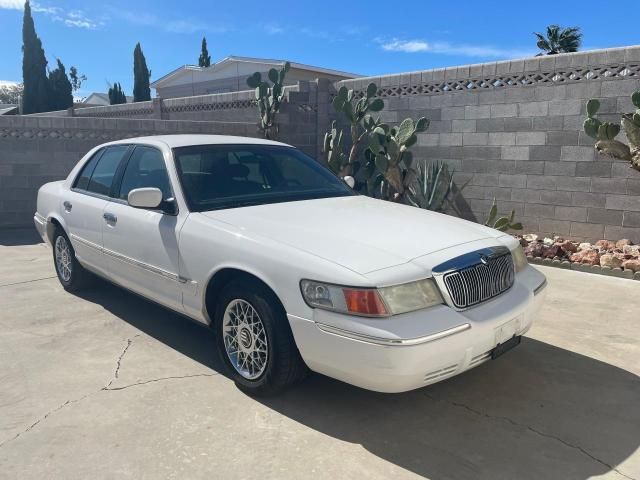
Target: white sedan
[[289, 267]]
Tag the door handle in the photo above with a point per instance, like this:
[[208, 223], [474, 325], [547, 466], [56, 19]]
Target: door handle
[[67, 206], [110, 217]]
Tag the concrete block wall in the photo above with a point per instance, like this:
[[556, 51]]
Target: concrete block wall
[[514, 130], [297, 119], [37, 150]]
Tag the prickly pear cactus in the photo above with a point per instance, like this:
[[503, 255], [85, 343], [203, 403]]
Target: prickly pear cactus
[[269, 98], [333, 150], [605, 133], [503, 223], [358, 114], [388, 146]]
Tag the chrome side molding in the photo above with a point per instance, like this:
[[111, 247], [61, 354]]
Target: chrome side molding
[[392, 342]]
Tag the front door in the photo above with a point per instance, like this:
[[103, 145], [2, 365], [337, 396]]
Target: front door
[[142, 244]]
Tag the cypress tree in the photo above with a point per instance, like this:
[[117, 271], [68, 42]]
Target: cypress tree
[[141, 74], [60, 89], [34, 67], [205, 58], [116, 95]]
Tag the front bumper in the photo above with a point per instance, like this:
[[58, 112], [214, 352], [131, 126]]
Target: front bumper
[[416, 349]]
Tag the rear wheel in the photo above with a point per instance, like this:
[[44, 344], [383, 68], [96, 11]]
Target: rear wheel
[[254, 339], [71, 274]]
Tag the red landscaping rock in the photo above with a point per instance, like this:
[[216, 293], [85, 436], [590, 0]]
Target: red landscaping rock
[[534, 249], [589, 257], [610, 260], [633, 265], [553, 251], [631, 250], [605, 245], [569, 247], [621, 243]]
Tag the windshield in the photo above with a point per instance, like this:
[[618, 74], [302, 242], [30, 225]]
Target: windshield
[[229, 176]]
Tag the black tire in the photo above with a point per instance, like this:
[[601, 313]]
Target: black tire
[[284, 365], [77, 277]]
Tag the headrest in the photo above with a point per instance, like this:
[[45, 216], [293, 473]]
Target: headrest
[[236, 170]]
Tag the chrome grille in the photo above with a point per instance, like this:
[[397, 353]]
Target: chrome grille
[[480, 282]]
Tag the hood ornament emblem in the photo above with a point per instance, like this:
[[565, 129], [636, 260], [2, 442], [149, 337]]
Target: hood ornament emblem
[[484, 259]]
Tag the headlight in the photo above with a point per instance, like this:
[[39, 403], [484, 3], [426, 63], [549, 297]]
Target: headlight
[[411, 296], [371, 302], [519, 259]]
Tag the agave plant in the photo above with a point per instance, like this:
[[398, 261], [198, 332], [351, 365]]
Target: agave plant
[[605, 133], [434, 188], [503, 223], [559, 40]]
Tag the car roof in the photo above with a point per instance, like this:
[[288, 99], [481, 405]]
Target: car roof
[[186, 140]]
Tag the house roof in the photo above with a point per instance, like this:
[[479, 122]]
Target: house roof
[[8, 109], [104, 96], [237, 59]]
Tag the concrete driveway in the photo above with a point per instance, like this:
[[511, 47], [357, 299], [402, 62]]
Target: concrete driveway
[[107, 385]]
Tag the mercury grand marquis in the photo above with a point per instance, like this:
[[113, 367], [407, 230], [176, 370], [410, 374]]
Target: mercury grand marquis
[[290, 267]]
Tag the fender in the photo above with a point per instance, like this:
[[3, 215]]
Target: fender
[[235, 266], [50, 225]]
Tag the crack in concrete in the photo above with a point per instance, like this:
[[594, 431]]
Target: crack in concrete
[[44, 417], [105, 388], [119, 361], [531, 429], [154, 380], [27, 281]]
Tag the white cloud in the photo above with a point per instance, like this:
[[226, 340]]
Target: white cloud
[[273, 29], [11, 4], [77, 18], [7, 83], [408, 46], [480, 50], [69, 22], [182, 25], [446, 48], [70, 18], [47, 10]]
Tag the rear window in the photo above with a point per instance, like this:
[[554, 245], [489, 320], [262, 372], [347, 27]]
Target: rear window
[[82, 182], [105, 170]]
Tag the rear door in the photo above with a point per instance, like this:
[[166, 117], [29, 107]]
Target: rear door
[[84, 204], [142, 244]]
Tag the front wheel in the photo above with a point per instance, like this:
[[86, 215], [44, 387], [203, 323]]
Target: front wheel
[[71, 274], [254, 339]]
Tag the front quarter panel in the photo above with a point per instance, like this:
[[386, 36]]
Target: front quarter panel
[[208, 246]]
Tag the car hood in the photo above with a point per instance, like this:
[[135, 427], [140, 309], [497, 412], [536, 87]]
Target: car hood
[[357, 232]]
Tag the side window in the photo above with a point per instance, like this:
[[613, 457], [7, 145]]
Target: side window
[[146, 168], [82, 180], [105, 170]]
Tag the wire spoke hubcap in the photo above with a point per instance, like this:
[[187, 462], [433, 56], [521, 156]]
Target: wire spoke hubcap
[[245, 339], [63, 258]]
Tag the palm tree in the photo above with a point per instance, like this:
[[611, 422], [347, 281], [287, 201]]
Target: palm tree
[[559, 40]]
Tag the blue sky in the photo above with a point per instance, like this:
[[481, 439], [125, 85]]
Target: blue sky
[[367, 37]]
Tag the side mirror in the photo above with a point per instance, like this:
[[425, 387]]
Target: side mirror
[[349, 180], [145, 197]]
